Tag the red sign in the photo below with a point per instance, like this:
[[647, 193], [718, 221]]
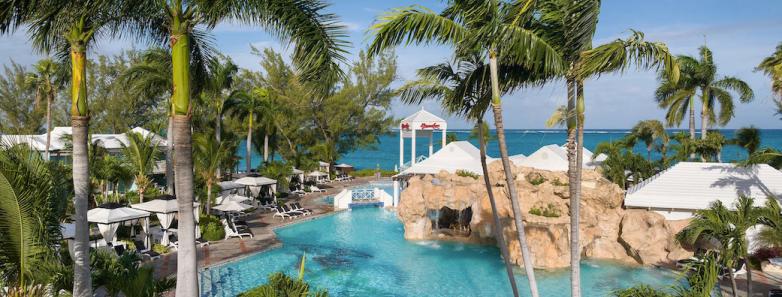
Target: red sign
[[430, 126], [405, 126]]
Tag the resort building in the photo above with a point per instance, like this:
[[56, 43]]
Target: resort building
[[553, 157], [420, 124], [689, 186]]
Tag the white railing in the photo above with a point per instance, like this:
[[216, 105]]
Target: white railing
[[363, 194], [417, 160]]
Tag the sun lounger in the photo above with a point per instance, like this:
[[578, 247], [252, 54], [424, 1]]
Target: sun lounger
[[316, 189], [231, 232], [282, 214], [297, 207], [740, 269], [144, 251], [288, 209]]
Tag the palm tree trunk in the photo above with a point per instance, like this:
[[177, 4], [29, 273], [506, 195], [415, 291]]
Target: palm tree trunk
[[572, 127], [219, 136], [187, 266], [509, 178], [495, 214], [704, 116], [733, 282], [749, 275], [208, 198], [49, 122], [266, 147], [170, 156], [575, 200], [80, 121], [692, 118], [649, 152], [248, 157]]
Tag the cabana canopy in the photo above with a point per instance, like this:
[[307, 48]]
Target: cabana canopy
[[255, 181], [161, 204], [232, 206], [114, 213], [230, 185], [343, 165], [457, 155], [689, 186], [234, 198], [316, 174]]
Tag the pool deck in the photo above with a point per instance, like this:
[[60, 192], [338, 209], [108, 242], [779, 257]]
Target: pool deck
[[761, 283], [262, 225]]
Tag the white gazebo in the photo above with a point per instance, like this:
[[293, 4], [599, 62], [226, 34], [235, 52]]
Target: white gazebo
[[232, 206], [421, 123], [256, 182], [317, 176], [109, 216], [165, 209], [343, 167], [324, 166]]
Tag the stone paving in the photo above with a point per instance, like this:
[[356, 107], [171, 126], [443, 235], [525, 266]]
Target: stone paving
[[761, 283], [262, 225]]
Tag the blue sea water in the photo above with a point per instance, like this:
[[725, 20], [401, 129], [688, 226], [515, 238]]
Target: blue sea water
[[363, 253], [386, 153]]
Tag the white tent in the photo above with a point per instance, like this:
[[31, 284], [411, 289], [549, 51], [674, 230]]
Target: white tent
[[419, 124], [109, 216], [235, 198], [324, 166], [343, 165], [688, 186], [457, 155], [112, 142], [255, 181], [165, 209], [232, 206], [553, 157], [517, 159]]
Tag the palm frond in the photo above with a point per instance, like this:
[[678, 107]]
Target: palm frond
[[413, 25], [621, 54]]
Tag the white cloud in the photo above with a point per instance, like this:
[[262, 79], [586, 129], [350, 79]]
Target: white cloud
[[351, 26]]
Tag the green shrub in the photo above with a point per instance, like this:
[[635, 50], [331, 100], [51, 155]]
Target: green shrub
[[535, 178], [213, 231], [129, 245], [465, 173], [558, 183], [159, 248], [549, 211], [282, 285]]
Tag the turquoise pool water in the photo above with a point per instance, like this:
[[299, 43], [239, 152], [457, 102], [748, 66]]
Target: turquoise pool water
[[363, 253], [387, 186]]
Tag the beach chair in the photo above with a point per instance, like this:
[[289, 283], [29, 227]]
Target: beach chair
[[315, 189], [740, 269], [231, 232], [288, 209], [279, 212], [144, 251], [297, 207]]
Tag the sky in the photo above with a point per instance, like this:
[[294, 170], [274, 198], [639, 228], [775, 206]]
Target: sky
[[740, 34]]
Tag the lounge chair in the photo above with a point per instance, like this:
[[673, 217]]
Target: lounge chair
[[739, 269], [288, 209], [282, 214], [231, 232], [144, 251], [266, 206], [297, 207], [314, 188]]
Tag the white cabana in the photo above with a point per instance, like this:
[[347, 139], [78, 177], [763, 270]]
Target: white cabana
[[317, 176], [256, 182], [324, 166], [553, 157], [421, 123], [230, 187], [108, 216], [232, 206], [343, 168], [166, 209], [689, 186], [234, 198]]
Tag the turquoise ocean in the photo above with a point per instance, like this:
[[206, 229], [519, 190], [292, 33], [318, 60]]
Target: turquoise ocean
[[520, 141]]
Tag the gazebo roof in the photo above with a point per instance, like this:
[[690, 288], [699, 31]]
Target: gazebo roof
[[254, 180], [114, 213], [161, 204], [422, 117]]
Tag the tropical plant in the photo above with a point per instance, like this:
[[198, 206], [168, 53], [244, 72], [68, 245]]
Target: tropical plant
[[47, 79], [771, 217], [249, 106], [279, 171], [729, 228], [318, 49], [766, 155], [280, 285], [622, 164], [648, 131], [474, 133], [497, 30], [771, 66], [459, 88], [125, 276], [209, 156], [31, 207], [700, 280], [18, 107], [142, 153], [219, 90], [747, 138]]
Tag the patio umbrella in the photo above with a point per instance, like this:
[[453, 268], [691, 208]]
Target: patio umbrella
[[232, 206]]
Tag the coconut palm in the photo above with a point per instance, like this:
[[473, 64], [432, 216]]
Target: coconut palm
[[700, 279], [747, 138], [249, 106], [461, 89], [141, 152], [729, 228], [679, 97], [47, 79], [70, 28], [318, 49], [210, 155], [31, 207], [772, 67], [495, 29], [771, 218], [648, 131]]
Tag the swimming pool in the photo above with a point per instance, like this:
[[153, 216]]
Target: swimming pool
[[363, 253]]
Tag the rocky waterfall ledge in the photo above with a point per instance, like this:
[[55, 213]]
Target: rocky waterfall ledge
[[607, 230]]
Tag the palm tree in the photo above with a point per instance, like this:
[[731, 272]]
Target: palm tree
[[772, 67], [249, 106], [70, 28], [700, 279], [729, 228], [771, 218], [210, 154], [748, 138], [678, 97], [496, 29], [648, 131], [31, 207], [461, 89], [219, 90], [47, 81], [141, 152]]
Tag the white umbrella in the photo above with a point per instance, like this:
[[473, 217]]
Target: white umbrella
[[234, 198], [343, 165], [255, 181], [232, 206]]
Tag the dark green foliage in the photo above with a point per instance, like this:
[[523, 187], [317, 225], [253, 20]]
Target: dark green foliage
[[549, 211], [213, 231], [465, 173], [125, 275], [535, 178], [282, 285]]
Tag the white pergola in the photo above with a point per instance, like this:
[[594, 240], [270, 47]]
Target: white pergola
[[422, 122], [166, 208], [108, 217]]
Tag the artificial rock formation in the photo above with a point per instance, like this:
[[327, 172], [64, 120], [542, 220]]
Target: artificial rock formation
[[607, 230]]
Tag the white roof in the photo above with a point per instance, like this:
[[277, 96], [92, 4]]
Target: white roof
[[297, 171], [255, 181], [232, 206], [695, 185], [107, 214], [457, 155], [165, 204], [422, 116], [553, 157], [234, 198], [108, 141], [516, 159], [228, 185], [316, 173], [323, 164]]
